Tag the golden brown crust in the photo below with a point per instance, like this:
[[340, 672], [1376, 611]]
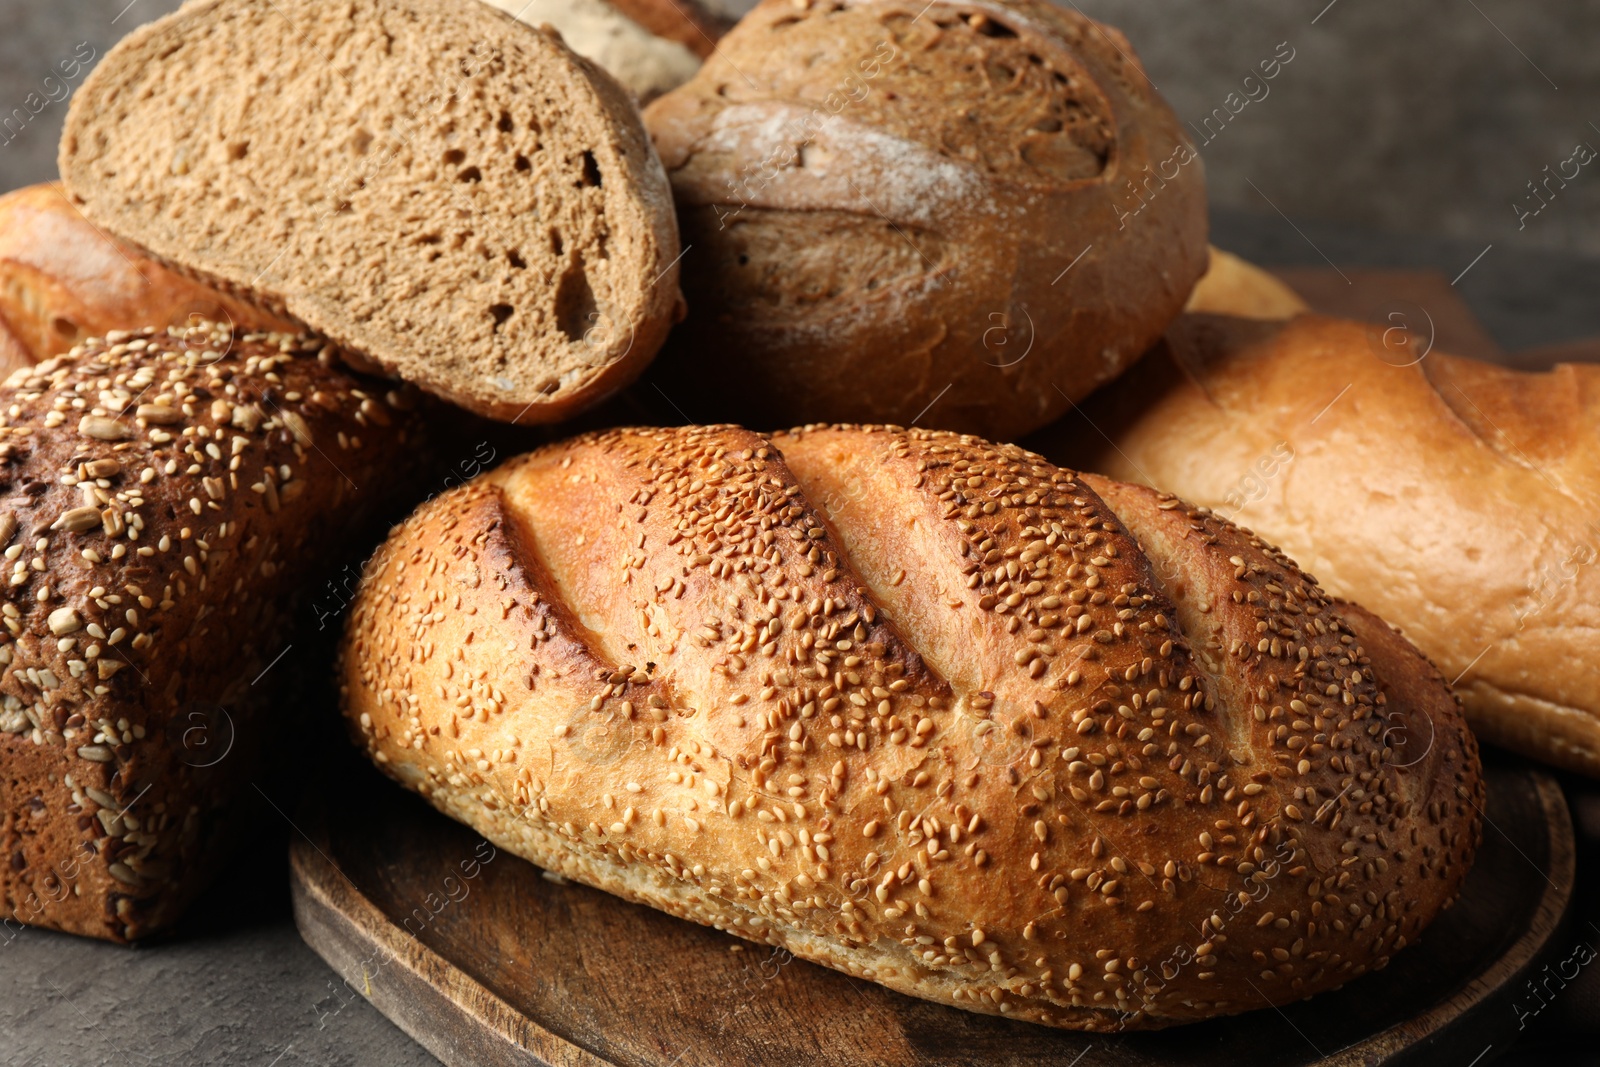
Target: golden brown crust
[[965, 215], [923, 709], [165, 500], [63, 281], [1455, 498]]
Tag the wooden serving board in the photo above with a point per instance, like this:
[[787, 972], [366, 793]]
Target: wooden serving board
[[484, 961]]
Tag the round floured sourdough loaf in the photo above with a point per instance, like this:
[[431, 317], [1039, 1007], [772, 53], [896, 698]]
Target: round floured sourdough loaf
[[964, 215], [430, 183], [62, 281], [1457, 498], [923, 709]]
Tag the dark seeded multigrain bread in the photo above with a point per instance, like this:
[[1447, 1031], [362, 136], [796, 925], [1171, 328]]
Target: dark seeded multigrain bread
[[924, 709], [165, 499], [430, 183], [958, 214]]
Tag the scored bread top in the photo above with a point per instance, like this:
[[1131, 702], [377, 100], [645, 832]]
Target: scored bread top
[[921, 708], [432, 184], [1477, 538]]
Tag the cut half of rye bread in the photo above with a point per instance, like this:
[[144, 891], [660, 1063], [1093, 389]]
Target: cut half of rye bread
[[450, 193]]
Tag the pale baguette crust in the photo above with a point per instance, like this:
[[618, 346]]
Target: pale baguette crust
[[647, 660]]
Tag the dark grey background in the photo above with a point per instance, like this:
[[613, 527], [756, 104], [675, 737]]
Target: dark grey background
[[1425, 117], [1400, 135]]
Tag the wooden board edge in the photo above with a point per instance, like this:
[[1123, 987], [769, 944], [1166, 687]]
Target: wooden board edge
[[419, 991], [427, 996], [1449, 1023]]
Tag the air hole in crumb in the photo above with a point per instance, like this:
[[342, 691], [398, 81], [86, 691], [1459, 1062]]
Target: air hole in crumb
[[591, 171], [549, 385], [454, 156], [743, 259], [501, 313], [990, 28], [429, 239], [556, 244], [576, 310], [361, 140], [238, 150], [516, 260], [505, 124], [471, 174], [522, 163]]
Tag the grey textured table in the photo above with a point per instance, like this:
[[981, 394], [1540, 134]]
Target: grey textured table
[[236, 986]]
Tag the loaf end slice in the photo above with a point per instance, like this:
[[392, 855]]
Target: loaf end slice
[[453, 194]]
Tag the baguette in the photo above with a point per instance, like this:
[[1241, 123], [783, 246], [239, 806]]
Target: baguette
[[923, 709], [165, 500], [63, 281], [958, 215], [1456, 498], [430, 183]]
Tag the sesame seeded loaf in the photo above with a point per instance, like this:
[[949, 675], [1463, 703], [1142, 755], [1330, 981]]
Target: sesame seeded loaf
[[62, 281], [924, 709], [165, 498], [432, 184], [1457, 498], [963, 215]]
